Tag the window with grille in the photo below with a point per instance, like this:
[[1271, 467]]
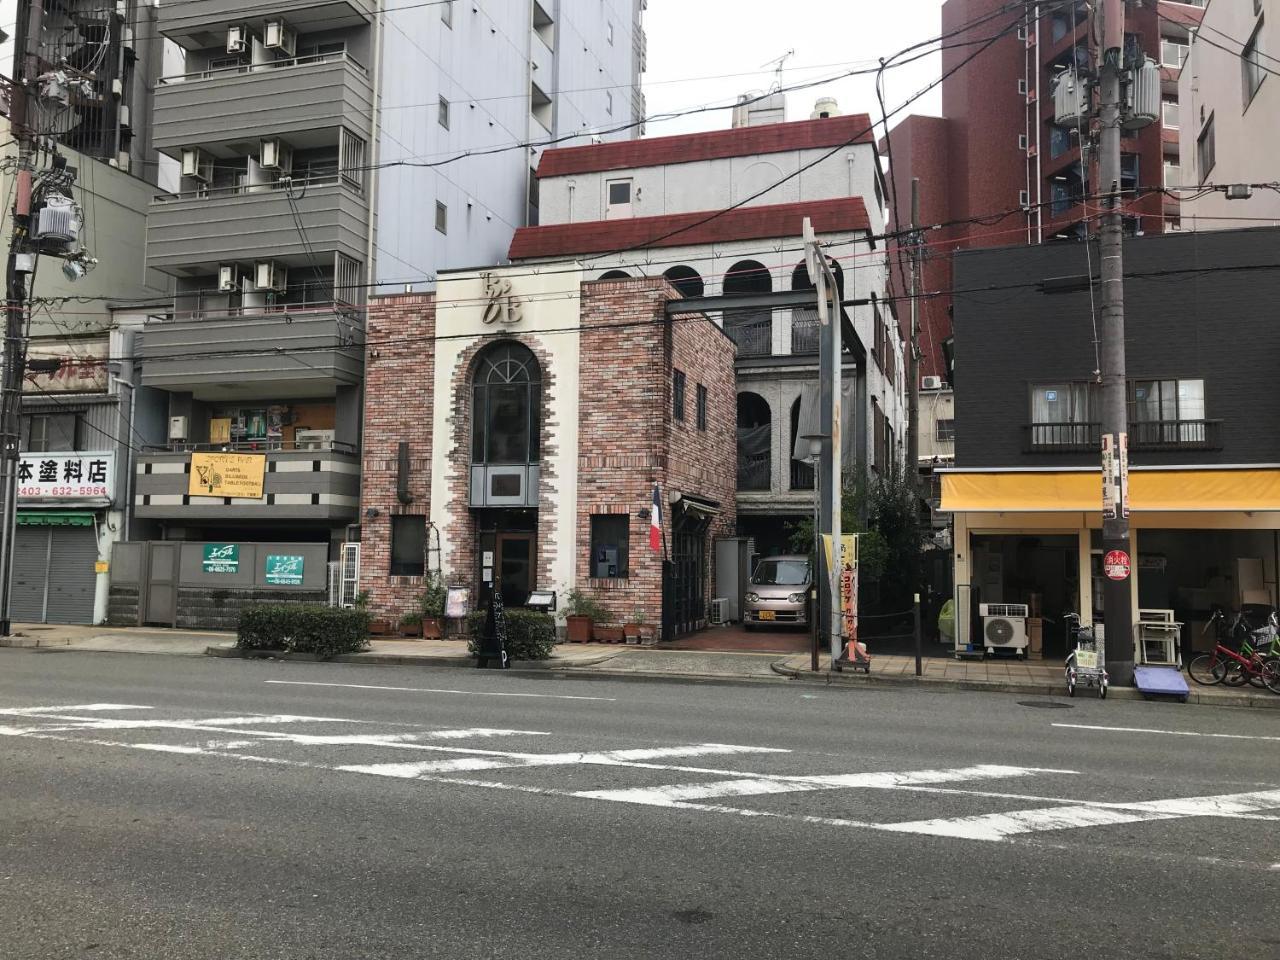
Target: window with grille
[[677, 395], [351, 154], [347, 286], [702, 407], [442, 217], [945, 431], [442, 112]]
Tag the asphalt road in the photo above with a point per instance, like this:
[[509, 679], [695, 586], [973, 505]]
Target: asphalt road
[[166, 807]]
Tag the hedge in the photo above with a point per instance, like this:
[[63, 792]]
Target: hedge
[[303, 628], [531, 635]]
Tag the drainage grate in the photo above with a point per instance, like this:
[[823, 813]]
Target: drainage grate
[[1045, 704]]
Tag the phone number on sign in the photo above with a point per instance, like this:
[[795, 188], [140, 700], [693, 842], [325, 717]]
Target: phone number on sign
[[95, 490]]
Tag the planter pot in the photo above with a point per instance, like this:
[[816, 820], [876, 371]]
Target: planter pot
[[606, 634], [411, 630], [432, 628], [380, 628], [577, 629], [632, 632]]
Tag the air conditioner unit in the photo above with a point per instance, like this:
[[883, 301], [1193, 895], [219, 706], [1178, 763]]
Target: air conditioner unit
[[126, 35], [237, 39], [229, 278], [276, 155], [177, 429], [718, 606], [122, 161], [278, 36], [312, 439], [1004, 627], [117, 88], [197, 164], [269, 275], [124, 116], [122, 9], [931, 383]]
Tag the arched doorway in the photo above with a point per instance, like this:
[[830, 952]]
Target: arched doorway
[[751, 328], [506, 447], [755, 447], [686, 279]]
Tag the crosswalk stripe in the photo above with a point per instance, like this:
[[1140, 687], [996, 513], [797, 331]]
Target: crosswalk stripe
[[83, 707]]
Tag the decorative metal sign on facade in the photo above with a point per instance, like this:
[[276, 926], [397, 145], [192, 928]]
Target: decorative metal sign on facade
[[503, 306], [67, 477]]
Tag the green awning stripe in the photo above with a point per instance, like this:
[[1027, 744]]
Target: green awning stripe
[[55, 518]]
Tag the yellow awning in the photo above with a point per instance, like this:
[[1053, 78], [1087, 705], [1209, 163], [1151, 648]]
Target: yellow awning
[[1149, 490]]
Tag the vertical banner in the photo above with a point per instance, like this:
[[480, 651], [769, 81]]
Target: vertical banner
[[846, 570], [1108, 477]]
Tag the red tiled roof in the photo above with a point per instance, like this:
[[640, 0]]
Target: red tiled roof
[[714, 145], [745, 223]]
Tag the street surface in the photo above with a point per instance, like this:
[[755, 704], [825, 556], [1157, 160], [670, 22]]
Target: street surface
[[170, 807]]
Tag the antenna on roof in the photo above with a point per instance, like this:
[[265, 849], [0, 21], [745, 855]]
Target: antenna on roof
[[780, 62]]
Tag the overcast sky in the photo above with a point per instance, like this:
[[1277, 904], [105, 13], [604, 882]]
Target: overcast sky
[[707, 52]]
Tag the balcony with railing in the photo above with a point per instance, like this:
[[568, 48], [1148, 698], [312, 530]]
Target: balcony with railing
[[751, 330], [190, 23], [1151, 435], [279, 98]]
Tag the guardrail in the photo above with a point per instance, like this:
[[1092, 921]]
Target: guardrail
[[256, 446], [239, 69]]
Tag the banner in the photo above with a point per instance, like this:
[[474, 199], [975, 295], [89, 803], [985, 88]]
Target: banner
[[227, 475], [67, 477], [847, 582], [220, 558]]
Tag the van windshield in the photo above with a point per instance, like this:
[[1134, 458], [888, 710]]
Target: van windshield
[[782, 573]]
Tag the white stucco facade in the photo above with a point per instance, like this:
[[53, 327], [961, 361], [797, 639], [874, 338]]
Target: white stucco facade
[[1215, 88]]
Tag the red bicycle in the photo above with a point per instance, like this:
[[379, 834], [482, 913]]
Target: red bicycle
[[1235, 668]]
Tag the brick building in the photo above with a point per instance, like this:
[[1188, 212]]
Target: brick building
[[516, 425]]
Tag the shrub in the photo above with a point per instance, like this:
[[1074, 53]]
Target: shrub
[[531, 634], [579, 604], [303, 628], [431, 603]]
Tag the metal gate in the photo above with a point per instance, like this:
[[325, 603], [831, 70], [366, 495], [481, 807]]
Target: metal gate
[[161, 575], [54, 579]]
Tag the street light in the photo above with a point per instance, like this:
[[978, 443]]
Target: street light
[[815, 441]]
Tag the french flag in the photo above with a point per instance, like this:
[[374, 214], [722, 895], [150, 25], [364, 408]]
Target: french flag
[[655, 522]]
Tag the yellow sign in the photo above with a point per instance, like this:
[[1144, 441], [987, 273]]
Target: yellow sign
[[220, 430], [847, 579], [101, 566], [227, 475]]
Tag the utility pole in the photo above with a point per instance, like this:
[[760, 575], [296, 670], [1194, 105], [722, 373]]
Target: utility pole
[[913, 362], [1117, 564], [19, 268]]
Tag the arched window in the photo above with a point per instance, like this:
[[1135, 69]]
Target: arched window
[[686, 279], [615, 275], [801, 469], [507, 390], [751, 328], [804, 320], [754, 442]]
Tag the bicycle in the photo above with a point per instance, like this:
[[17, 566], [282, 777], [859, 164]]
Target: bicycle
[[1242, 634], [1224, 665]]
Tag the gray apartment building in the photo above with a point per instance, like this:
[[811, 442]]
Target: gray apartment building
[[324, 149]]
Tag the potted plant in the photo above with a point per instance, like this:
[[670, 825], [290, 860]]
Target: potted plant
[[411, 624], [606, 632], [378, 626], [580, 613], [431, 605], [636, 629]]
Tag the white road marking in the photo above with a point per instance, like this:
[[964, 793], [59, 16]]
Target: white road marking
[[498, 761], [670, 795], [468, 693], [1171, 733], [84, 707]]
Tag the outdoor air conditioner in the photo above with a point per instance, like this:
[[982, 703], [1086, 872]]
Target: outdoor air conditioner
[[269, 275], [1004, 627], [276, 155], [931, 383], [229, 278], [122, 9], [718, 606], [197, 164], [312, 439], [237, 39], [278, 36], [177, 429], [124, 115]]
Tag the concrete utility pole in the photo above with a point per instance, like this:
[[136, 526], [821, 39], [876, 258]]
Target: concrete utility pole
[[913, 362], [1117, 564], [18, 269]]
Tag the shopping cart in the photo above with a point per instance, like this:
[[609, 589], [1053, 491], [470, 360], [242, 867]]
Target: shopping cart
[[1086, 663]]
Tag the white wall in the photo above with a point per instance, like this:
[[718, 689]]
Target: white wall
[[936, 405], [1246, 137]]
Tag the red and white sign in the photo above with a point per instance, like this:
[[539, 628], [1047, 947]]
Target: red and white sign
[[1116, 565]]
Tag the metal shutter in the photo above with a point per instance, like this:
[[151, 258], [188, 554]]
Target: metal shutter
[[30, 564], [72, 580]]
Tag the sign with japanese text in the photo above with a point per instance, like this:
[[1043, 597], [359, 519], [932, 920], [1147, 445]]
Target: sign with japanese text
[[284, 570], [220, 558], [227, 475], [66, 366], [846, 569], [1116, 565], [67, 477]]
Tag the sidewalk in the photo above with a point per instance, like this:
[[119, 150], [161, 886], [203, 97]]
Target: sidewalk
[[1035, 677]]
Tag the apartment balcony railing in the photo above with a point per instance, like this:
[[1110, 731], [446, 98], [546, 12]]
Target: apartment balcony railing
[[805, 331], [752, 331], [255, 446], [801, 475], [190, 22], [1143, 435], [753, 473]]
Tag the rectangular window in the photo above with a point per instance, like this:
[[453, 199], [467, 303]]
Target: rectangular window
[[442, 217], [442, 113], [1169, 110], [677, 395], [408, 544], [608, 102], [446, 13], [617, 199], [351, 152], [1059, 141], [1022, 86], [1204, 150], [610, 545], [1163, 412], [702, 407], [1062, 415], [1172, 53], [1022, 141], [51, 432], [946, 431], [609, 32], [1024, 199], [1251, 68]]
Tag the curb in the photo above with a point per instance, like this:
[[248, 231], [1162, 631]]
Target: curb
[[392, 659], [30, 643], [990, 686]]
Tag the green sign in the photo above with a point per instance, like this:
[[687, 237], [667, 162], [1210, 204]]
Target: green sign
[[283, 570], [221, 558]]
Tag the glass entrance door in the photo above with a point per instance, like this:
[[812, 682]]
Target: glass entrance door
[[514, 572]]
